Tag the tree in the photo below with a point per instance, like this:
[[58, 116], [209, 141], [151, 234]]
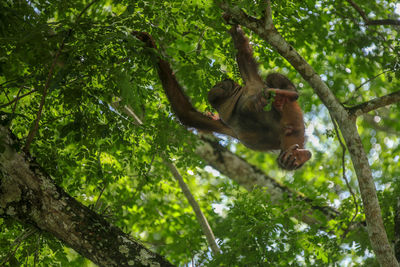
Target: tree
[[82, 97]]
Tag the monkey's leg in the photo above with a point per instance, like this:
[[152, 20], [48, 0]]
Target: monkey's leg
[[247, 65], [292, 156]]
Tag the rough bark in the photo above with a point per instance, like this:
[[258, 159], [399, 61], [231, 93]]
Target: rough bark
[[28, 194], [376, 230], [375, 104], [397, 230]]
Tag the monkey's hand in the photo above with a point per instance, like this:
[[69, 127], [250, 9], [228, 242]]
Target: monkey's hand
[[145, 38], [278, 96], [213, 116], [293, 157], [228, 19]]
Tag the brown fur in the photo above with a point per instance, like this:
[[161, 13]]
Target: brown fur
[[241, 109]]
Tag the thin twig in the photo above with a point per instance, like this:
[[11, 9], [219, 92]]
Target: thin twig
[[16, 102], [364, 83], [128, 110], [359, 10], [33, 131], [198, 46], [368, 21], [18, 98], [84, 10], [133, 115], [97, 204], [9, 81], [345, 178], [196, 208], [373, 78], [6, 94], [17, 79], [36, 257], [17, 242], [372, 22], [268, 16]]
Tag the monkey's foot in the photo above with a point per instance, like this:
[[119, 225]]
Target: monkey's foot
[[293, 157]]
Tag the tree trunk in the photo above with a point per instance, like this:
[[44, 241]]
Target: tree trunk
[[28, 194]]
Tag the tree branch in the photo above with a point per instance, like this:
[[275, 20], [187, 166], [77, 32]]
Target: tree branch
[[269, 33], [376, 230], [359, 10], [34, 129], [268, 14], [205, 226], [375, 104], [249, 176], [383, 22], [348, 227], [368, 21], [17, 98], [364, 83], [28, 194], [397, 229]]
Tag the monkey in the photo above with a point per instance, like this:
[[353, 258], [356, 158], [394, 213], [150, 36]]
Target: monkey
[[242, 111]]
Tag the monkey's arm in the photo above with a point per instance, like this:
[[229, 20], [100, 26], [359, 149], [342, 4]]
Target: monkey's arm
[[247, 65], [184, 110], [181, 105]]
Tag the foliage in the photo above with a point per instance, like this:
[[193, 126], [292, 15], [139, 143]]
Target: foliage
[[107, 160], [258, 234]]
